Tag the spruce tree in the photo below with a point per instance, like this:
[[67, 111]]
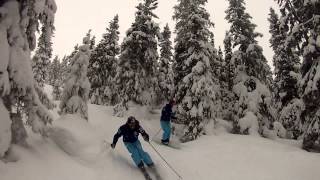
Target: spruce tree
[[54, 71], [221, 67], [65, 64], [230, 67], [103, 64], [44, 98], [136, 73], [252, 73], [19, 97], [92, 42], [194, 86], [304, 24], [56, 91], [242, 29], [215, 60], [41, 59], [287, 75], [76, 86], [41, 65], [165, 66], [64, 68], [56, 78], [227, 80]]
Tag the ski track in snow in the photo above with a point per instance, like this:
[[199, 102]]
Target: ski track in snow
[[221, 156]]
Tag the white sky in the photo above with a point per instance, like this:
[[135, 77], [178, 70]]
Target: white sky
[[75, 17]]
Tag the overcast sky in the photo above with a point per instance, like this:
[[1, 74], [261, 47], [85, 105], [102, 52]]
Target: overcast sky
[[75, 17]]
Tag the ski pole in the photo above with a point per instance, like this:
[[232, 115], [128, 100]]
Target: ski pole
[[167, 163]]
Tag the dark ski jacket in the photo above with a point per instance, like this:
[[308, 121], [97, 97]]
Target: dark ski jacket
[[166, 113], [129, 135]]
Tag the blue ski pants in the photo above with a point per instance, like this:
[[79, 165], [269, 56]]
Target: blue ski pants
[[138, 154], [166, 127]]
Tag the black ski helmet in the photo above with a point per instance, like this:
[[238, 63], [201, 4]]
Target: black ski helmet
[[172, 102], [131, 119]]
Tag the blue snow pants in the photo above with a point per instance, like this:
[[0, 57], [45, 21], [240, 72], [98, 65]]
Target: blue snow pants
[[166, 127], [138, 154]]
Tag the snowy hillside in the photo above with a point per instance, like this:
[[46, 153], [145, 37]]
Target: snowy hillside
[[220, 156]]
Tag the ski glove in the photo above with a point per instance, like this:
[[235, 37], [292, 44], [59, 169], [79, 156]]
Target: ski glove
[[146, 137], [113, 145]]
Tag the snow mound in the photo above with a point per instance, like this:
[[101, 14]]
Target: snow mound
[[217, 127], [76, 137], [249, 124], [223, 126], [209, 128], [280, 130]]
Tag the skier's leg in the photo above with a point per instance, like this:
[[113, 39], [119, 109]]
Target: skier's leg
[[135, 155], [144, 155], [166, 127], [169, 130]]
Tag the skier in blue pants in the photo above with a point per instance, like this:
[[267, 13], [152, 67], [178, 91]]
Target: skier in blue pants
[[165, 121], [130, 133]]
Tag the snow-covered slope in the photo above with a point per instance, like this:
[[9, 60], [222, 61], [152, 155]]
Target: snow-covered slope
[[80, 154]]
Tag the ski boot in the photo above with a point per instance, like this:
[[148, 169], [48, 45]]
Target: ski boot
[[144, 171], [165, 142]]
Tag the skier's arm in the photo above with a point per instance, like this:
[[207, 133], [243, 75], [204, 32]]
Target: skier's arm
[[116, 137], [144, 134], [173, 115]]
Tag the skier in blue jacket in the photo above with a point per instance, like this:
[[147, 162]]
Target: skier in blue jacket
[[130, 133], [165, 121]]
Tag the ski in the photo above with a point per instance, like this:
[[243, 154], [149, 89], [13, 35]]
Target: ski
[[155, 172], [145, 173], [172, 144], [147, 176]]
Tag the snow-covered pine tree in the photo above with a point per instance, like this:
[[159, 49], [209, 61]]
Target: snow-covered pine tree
[[42, 56], [304, 23], [226, 79], [92, 42], [252, 112], [230, 68], [43, 97], [41, 64], [212, 41], [73, 53], [76, 88], [221, 67], [165, 78], [102, 66], [214, 59], [224, 94], [287, 75], [220, 54], [18, 23], [194, 86], [56, 78], [66, 61], [53, 71], [56, 91], [216, 62], [136, 73], [64, 67]]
